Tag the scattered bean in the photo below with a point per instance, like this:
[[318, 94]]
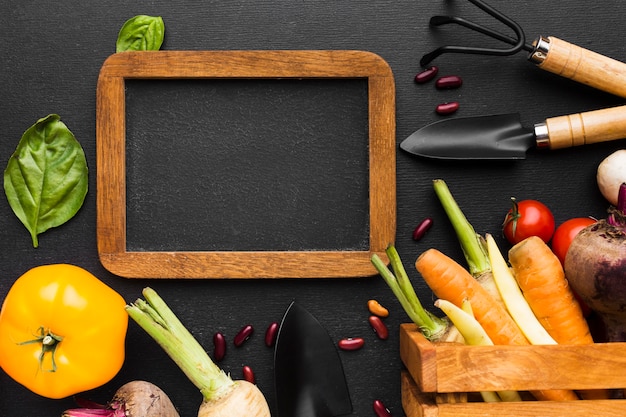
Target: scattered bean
[[380, 409], [447, 108], [350, 343], [379, 327], [448, 82], [426, 75], [219, 344], [248, 374], [243, 335], [270, 334], [377, 309], [422, 228]]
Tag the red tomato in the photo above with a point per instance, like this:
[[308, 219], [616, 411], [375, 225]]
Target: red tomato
[[565, 233], [561, 240], [528, 218]]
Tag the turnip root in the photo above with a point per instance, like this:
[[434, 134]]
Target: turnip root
[[222, 397], [611, 174], [595, 266], [244, 399], [134, 399]]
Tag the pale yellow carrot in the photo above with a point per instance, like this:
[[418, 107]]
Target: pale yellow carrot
[[513, 298]]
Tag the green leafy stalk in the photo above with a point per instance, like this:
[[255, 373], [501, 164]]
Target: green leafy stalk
[[158, 320], [472, 244], [431, 326]]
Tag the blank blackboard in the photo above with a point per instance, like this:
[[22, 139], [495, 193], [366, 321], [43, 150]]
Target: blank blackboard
[[245, 164]]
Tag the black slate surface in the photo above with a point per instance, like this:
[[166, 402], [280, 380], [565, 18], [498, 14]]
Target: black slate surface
[[52, 52], [247, 165]]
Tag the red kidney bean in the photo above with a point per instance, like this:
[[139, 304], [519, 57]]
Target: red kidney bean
[[379, 327], [270, 334], [219, 343], [448, 82], [248, 374], [422, 228], [243, 335], [380, 409], [351, 343], [447, 108], [426, 75]]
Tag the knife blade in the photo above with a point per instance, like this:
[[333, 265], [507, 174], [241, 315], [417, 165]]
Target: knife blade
[[502, 136], [308, 373]]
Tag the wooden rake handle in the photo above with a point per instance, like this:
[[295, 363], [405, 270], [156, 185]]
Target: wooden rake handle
[[583, 128], [581, 65]]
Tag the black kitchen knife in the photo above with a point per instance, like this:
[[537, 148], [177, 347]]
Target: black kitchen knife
[[308, 372], [503, 136]]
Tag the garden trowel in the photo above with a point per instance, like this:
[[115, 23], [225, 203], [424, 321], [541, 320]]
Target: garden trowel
[[502, 136], [308, 372]]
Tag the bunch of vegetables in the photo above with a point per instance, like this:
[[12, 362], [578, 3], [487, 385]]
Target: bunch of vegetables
[[221, 395], [533, 303], [62, 331]]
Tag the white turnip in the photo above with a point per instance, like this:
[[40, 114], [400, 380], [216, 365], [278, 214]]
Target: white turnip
[[222, 396], [134, 399], [611, 174], [595, 266]]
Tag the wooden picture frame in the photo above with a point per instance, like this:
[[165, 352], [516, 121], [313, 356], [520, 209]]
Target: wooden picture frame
[[111, 169]]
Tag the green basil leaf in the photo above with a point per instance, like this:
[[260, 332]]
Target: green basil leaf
[[46, 178], [141, 33]]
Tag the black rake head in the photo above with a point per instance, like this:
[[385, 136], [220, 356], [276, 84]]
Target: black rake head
[[518, 42]]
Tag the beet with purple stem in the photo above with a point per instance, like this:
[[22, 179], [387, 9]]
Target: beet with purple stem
[[595, 266], [133, 399]]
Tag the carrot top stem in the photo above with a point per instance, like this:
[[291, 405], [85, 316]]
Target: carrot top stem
[[472, 244], [431, 326]]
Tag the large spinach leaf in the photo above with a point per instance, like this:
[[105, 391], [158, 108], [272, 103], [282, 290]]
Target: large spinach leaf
[[46, 178], [141, 33]]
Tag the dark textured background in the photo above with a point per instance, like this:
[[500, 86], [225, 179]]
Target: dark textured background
[[52, 52]]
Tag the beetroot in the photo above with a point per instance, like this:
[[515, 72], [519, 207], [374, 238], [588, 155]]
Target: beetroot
[[595, 266], [133, 399]]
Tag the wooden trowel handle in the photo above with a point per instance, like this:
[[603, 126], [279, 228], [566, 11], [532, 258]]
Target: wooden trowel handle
[[584, 128], [581, 65]]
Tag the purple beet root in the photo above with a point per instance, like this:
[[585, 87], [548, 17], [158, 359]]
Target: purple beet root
[[595, 266]]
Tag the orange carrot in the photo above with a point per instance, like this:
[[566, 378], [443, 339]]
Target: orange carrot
[[540, 276], [450, 281]]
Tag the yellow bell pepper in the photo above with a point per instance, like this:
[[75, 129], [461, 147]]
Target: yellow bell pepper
[[62, 331]]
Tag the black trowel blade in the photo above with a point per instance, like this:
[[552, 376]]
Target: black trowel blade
[[308, 372], [484, 137]]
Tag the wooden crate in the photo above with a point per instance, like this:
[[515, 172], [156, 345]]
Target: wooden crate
[[442, 379]]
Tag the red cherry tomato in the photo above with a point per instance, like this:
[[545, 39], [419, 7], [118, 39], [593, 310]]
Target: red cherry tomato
[[565, 233], [562, 239], [528, 218]]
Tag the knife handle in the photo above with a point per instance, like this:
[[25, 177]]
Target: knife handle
[[579, 64], [584, 128]]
